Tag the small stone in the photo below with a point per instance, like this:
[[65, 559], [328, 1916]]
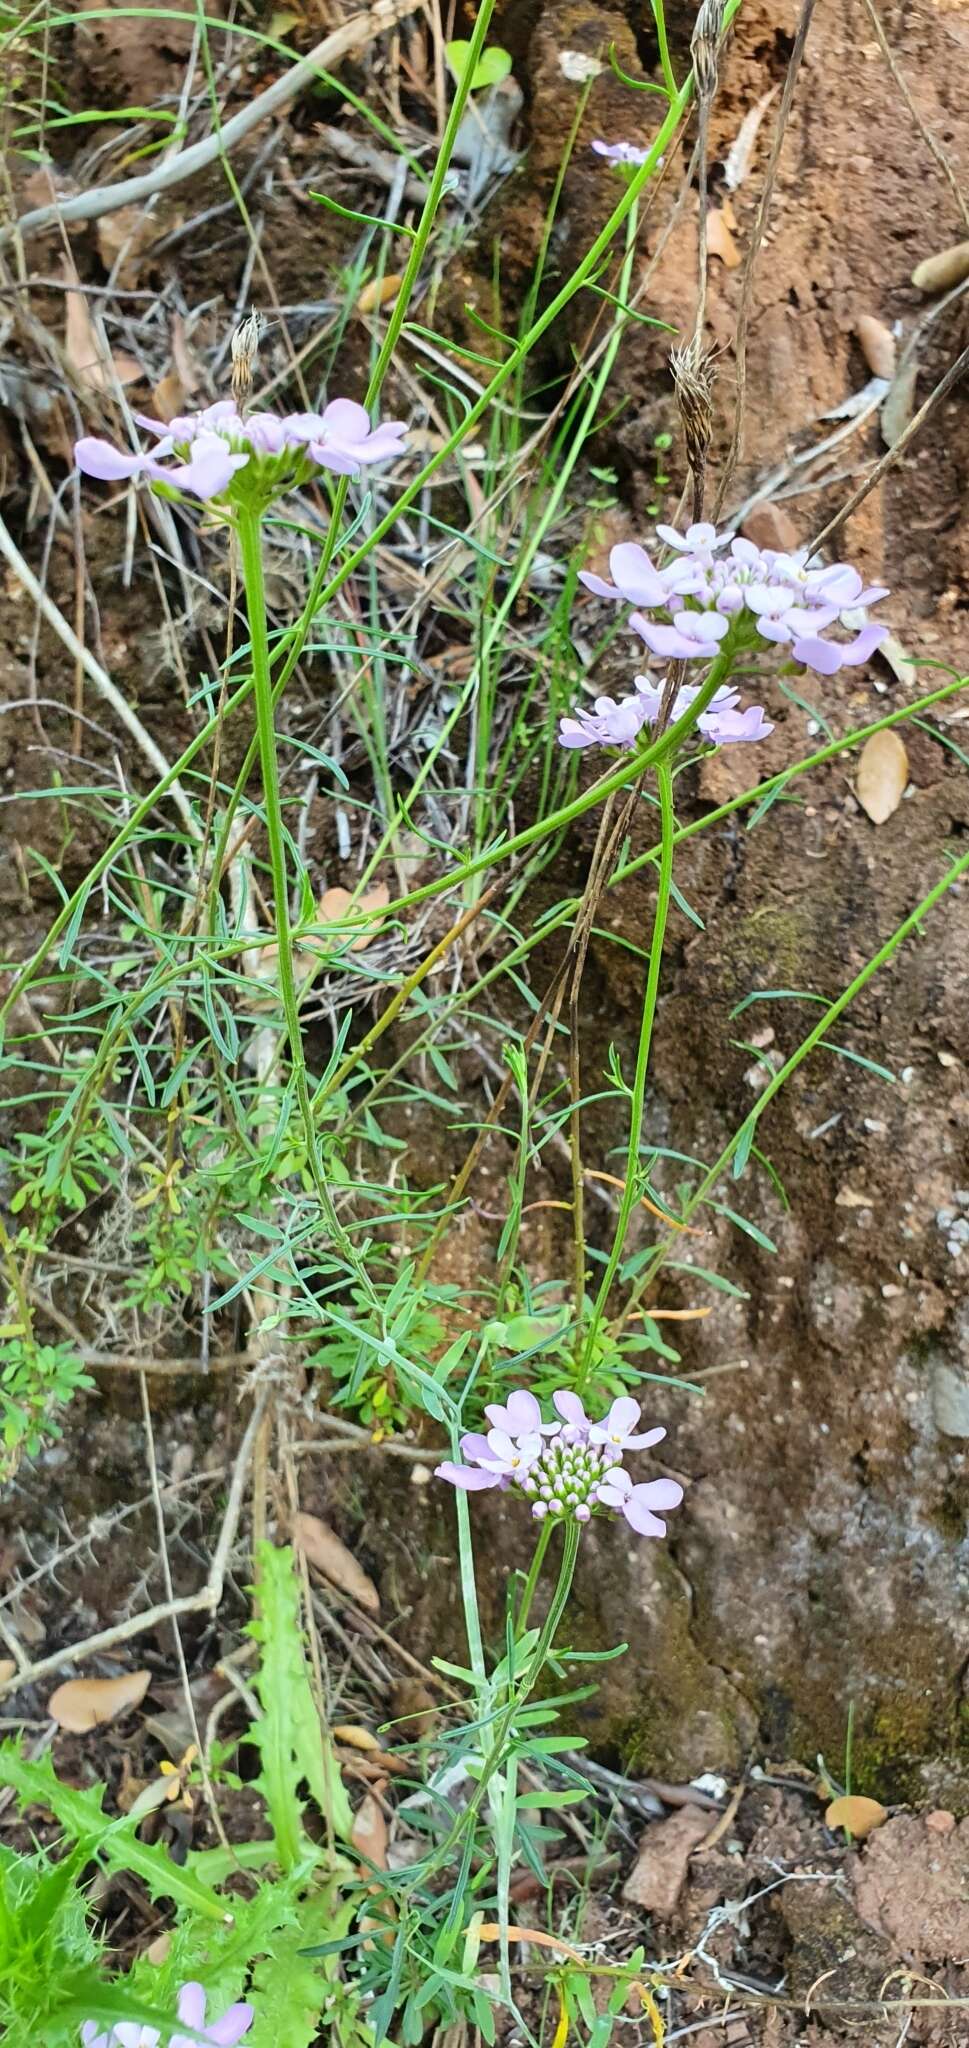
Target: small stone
[[940, 1821], [421, 1475]]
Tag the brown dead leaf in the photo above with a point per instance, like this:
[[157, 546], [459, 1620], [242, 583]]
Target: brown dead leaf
[[882, 776], [86, 1703], [335, 904], [855, 1813], [939, 273], [877, 344], [369, 1831], [169, 397], [187, 365], [379, 292], [157, 1950], [720, 238], [326, 1550], [85, 355], [122, 237], [658, 1875]]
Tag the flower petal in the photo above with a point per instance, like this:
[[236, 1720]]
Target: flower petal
[[704, 626], [209, 470], [824, 656], [109, 464], [346, 421], [340, 460], [665, 640], [523, 1412], [231, 2027], [470, 1478], [191, 2005], [863, 647], [475, 1446], [641, 1502], [569, 1406], [635, 576], [597, 584]]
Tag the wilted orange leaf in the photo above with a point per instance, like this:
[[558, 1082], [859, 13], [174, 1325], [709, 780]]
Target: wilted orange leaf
[[856, 1814], [86, 1703], [335, 904], [325, 1549], [379, 291], [354, 1737], [720, 241], [490, 1931], [369, 1832]]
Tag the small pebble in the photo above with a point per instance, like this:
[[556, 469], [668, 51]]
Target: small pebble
[[941, 1822]]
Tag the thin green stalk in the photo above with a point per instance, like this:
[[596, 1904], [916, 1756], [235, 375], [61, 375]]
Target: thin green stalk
[[520, 1694], [659, 16], [534, 1571], [250, 550], [637, 1100]]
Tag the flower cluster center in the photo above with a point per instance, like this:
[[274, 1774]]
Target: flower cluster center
[[565, 1478]]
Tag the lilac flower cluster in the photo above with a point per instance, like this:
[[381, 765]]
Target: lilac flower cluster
[[753, 594], [619, 724], [722, 595], [570, 1469], [209, 447], [222, 2033]]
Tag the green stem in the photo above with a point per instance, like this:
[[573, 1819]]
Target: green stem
[[659, 16], [520, 1694], [531, 1582], [249, 529], [637, 1100]]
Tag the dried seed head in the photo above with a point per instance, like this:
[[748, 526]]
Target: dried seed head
[[692, 371], [705, 48], [245, 348]]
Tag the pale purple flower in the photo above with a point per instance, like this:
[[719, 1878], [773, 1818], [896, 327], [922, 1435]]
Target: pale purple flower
[[211, 445], [222, 2033], [738, 597], [721, 722], [616, 1428], [621, 152], [639, 1503], [569, 1470], [520, 1415], [569, 1406], [635, 578], [612, 724], [693, 636], [495, 1460]]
